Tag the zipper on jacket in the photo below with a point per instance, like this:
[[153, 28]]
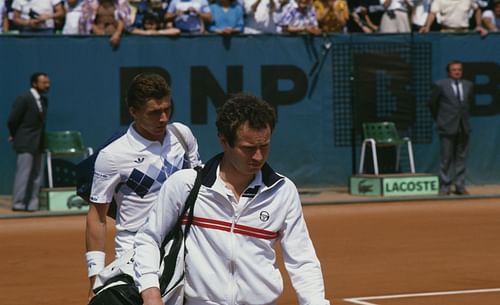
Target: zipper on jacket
[[232, 267]]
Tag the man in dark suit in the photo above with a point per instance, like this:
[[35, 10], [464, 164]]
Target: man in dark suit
[[26, 125], [450, 103]]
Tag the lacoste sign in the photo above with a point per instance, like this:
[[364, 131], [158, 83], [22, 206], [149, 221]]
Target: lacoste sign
[[424, 185], [394, 185]]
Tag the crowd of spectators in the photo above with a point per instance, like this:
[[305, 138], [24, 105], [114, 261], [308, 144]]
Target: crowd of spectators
[[226, 17]]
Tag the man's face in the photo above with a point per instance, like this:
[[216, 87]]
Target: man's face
[[152, 118], [42, 84], [250, 151], [455, 71]]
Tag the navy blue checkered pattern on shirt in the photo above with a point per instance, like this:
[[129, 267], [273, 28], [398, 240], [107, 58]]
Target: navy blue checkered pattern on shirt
[[139, 182]]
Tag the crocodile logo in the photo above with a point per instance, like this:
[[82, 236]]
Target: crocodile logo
[[364, 188]]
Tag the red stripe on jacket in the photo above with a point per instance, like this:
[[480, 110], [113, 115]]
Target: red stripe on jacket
[[226, 226]]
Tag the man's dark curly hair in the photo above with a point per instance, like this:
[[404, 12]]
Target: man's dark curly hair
[[241, 108], [145, 87]]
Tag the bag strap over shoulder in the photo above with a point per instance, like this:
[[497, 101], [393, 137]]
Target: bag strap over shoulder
[[188, 206], [182, 140], [177, 235], [178, 134]]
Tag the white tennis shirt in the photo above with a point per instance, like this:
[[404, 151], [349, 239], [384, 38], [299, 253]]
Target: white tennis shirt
[[132, 169]]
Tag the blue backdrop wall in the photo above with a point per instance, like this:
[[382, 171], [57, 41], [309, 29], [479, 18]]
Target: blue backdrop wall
[[312, 81]]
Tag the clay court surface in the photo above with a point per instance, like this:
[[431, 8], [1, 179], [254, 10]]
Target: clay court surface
[[444, 252]]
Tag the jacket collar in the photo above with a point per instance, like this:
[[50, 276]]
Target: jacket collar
[[269, 176]]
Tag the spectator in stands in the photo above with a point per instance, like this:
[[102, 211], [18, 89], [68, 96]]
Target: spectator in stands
[[483, 6], [9, 12], [138, 11], [105, 17], [278, 13], [395, 18], [227, 17], [37, 16], [151, 26], [156, 7], [261, 16], [372, 12], [4, 26], [332, 15], [419, 13], [189, 16], [73, 14], [491, 18], [454, 16], [299, 17], [357, 23]]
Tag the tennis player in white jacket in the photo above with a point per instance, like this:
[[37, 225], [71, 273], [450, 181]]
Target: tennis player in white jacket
[[242, 210]]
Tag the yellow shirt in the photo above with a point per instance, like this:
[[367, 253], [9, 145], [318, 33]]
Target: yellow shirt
[[330, 22]]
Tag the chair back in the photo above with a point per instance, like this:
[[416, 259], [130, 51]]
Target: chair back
[[64, 142], [63, 173], [384, 133]]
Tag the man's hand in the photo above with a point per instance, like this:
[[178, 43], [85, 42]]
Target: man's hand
[[482, 31], [313, 30], [227, 31], [424, 29], [34, 23], [45, 17], [115, 39]]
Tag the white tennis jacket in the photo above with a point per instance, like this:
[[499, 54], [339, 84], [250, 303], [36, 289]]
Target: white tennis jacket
[[230, 249]]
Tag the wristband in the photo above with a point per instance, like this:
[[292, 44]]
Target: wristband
[[95, 262]]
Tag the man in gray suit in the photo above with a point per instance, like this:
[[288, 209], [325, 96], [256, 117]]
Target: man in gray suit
[[450, 104], [26, 125]]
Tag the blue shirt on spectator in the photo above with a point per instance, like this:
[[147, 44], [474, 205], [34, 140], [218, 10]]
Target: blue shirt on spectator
[[188, 22], [231, 18]]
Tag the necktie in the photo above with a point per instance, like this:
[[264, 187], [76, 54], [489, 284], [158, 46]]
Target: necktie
[[457, 86]]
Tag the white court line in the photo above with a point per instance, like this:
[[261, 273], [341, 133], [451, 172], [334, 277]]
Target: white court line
[[362, 300]]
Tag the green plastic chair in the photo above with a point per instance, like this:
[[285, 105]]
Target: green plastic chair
[[383, 134], [67, 143]]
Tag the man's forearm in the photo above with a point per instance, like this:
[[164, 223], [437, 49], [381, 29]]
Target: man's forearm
[[477, 16], [151, 296]]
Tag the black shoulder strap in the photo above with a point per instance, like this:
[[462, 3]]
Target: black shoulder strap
[[191, 199], [178, 236], [188, 206]]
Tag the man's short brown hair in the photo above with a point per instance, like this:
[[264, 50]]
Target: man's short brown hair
[[242, 108], [145, 87]]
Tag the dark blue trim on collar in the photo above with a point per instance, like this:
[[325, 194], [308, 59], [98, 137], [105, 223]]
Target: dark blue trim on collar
[[269, 176]]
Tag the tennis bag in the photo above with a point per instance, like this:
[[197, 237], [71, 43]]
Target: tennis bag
[[115, 285]]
